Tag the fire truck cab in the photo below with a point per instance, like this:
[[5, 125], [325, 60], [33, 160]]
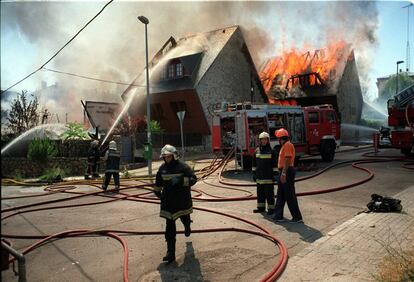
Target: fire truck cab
[[313, 130]]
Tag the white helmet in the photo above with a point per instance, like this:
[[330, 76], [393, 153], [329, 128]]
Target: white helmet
[[112, 145], [264, 135], [169, 150]]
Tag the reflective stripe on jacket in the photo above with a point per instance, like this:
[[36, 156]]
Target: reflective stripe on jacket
[[113, 157], [175, 199], [264, 165]]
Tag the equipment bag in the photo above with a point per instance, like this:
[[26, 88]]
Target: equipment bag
[[379, 203]]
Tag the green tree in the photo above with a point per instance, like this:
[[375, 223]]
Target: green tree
[[75, 131], [390, 86], [155, 127], [23, 114], [40, 150]]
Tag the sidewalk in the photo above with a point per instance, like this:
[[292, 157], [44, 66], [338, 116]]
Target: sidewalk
[[353, 250]]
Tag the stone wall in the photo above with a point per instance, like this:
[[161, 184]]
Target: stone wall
[[22, 167], [229, 78]]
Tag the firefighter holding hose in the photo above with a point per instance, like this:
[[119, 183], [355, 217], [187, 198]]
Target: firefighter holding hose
[[172, 185], [112, 158], [264, 171], [94, 157], [286, 185]]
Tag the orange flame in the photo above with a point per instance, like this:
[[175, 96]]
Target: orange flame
[[324, 62]]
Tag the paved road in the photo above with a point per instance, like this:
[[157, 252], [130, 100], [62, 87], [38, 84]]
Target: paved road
[[226, 256]]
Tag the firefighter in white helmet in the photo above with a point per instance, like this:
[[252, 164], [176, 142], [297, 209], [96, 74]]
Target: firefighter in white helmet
[[264, 171], [172, 185], [112, 159]]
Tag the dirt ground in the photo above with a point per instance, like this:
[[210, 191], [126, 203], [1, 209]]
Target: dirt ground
[[204, 256]]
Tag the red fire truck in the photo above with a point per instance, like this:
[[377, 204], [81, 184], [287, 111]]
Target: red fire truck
[[313, 130], [401, 120]]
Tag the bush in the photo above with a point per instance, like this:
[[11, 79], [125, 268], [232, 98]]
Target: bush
[[53, 175], [40, 150]]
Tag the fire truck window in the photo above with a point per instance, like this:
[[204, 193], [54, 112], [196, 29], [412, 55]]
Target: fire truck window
[[313, 117], [330, 116]]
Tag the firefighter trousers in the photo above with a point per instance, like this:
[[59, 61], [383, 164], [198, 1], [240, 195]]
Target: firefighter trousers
[[265, 193], [286, 194], [170, 228], [108, 179]]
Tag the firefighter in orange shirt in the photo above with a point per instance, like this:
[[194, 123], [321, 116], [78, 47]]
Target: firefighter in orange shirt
[[286, 184]]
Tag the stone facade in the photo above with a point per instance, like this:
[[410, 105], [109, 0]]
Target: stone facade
[[230, 78], [22, 167]]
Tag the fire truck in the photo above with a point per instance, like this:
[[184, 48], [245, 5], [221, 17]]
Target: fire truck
[[313, 130], [401, 120]]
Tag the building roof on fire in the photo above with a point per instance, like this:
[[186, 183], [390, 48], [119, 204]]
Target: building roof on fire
[[197, 52]]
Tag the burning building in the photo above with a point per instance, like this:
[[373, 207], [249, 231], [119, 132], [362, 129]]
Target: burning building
[[195, 73], [326, 76]]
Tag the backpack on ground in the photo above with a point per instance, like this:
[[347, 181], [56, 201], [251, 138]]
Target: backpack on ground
[[379, 203]]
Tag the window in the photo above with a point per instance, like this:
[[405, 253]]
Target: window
[[330, 116], [157, 111], [179, 70], [179, 106], [313, 117], [170, 71]]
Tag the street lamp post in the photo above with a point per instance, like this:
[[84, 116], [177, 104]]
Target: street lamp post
[[396, 88], [145, 21]]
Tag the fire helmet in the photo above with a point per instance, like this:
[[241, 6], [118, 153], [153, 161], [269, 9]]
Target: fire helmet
[[94, 143], [264, 135], [112, 145], [281, 133], [169, 150]]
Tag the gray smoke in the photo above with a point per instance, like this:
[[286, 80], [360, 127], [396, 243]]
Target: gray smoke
[[113, 47]]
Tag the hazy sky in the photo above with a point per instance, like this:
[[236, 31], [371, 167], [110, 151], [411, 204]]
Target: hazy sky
[[112, 47]]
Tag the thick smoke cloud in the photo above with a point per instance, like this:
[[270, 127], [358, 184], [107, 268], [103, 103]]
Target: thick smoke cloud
[[113, 46]]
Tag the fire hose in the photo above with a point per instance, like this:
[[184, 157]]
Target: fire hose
[[270, 276]]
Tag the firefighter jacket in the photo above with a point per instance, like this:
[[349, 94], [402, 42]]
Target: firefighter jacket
[[264, 165], [112, 158], [172, 185], [94, 156]]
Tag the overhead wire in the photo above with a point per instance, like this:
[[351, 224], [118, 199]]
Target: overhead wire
[[51, 58]]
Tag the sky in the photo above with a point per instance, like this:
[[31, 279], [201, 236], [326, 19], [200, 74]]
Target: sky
[[112, 47]]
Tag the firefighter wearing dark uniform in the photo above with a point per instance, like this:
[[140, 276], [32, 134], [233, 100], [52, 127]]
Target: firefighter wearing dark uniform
[[93, 160], [286, 185], [264, 171], [172, 185], [112, 158]]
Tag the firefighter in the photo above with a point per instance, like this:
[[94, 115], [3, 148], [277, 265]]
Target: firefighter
[[286, 185], [172, 185], [112, 159], [264, 171], [94, 157]]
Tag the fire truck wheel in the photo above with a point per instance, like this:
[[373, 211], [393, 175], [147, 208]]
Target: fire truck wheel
[[328, 151]]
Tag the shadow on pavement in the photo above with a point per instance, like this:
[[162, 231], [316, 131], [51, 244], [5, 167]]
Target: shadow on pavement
[[190, 270], [306, 232]]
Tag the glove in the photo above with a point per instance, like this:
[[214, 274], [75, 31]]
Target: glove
[[158, 194], [177, 181]]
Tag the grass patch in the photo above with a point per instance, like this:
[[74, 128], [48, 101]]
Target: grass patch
[[397, 267]]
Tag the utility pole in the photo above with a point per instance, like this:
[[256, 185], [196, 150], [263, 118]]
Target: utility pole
[[407, 59]]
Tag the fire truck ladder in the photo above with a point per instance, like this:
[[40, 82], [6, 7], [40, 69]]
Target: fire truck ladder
[[405, 96]]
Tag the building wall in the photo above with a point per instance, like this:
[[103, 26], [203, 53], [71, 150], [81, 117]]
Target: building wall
[[349, 94], [229, 79]]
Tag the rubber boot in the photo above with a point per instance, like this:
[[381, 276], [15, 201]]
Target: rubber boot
[[187, 229], [170, 256], [259, 210]]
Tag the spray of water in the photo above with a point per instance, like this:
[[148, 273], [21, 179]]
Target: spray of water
[[40, 131], [360, 128], [194, 44], [377, 108]]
